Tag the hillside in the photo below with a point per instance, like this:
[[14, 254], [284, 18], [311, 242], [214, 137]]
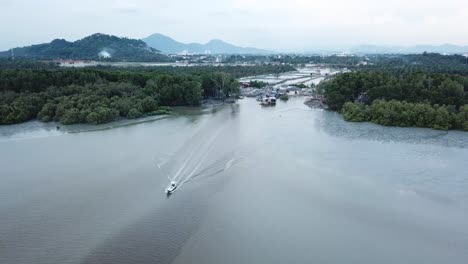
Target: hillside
[[95, 47], [168, 45]]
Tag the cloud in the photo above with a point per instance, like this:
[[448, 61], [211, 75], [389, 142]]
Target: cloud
[[126, 7], [272, 24]]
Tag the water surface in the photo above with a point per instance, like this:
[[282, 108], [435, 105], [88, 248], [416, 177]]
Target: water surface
[[284, 184]]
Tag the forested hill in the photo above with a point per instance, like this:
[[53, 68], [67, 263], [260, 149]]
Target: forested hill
[[94, 47]]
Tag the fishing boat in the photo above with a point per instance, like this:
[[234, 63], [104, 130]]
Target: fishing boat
[[171, 188], [268, 100], [272, 100]]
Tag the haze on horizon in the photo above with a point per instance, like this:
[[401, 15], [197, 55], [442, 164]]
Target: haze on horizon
[[269, 24]]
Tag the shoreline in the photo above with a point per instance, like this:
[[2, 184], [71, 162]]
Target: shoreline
[[36, 128]]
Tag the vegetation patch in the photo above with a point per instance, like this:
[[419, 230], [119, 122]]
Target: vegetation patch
[[99, 95], [394, 93]]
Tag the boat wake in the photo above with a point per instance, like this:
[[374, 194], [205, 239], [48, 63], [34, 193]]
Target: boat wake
[[205, 155]]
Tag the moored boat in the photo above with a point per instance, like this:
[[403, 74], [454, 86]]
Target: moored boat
[[268, 100]]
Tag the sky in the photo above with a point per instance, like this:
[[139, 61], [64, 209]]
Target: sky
[[289, 25]]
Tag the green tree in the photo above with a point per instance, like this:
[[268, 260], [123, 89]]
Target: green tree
[[148, 104], [442, 118], [47, 112], [134, 113]]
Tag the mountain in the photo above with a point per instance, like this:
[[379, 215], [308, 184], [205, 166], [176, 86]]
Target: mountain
[[170, 46], [95, 47]]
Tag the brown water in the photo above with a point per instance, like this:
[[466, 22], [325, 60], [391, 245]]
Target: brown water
[[284, 184]]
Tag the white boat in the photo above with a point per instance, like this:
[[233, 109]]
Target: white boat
[[171, 188], [268, 100], [272, 100]]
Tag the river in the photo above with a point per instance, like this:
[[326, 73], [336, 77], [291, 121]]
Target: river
[[283, 184]]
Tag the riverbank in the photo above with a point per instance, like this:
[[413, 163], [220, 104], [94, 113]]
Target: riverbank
[[37, 129]]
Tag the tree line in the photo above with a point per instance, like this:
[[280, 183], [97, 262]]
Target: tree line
[[426, 62], [404, 114], [442, 89], [403, 95], [100, 95]]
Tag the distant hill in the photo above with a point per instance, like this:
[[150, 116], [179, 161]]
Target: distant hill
[[95, 47], [170, 46]]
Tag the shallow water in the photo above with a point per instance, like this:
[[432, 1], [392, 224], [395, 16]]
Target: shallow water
[[284, 184], [307, 75]]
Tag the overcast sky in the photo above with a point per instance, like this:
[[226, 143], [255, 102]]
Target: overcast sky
[[270, 24]]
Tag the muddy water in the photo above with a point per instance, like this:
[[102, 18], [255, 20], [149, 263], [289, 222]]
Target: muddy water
[[284, 184]]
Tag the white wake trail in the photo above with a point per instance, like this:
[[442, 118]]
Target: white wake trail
[[210, 146]]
